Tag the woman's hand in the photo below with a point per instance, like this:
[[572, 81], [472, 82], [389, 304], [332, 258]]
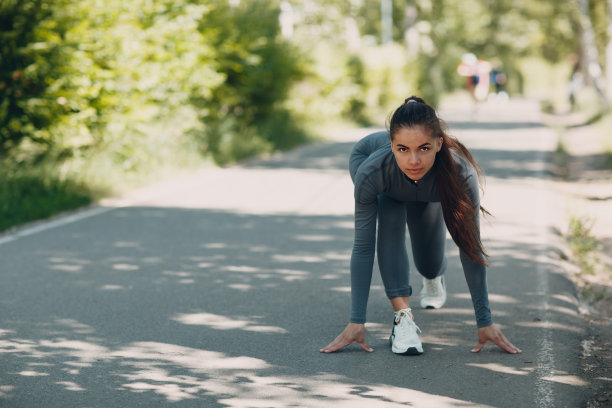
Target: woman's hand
[[493, 334], [353, 333]]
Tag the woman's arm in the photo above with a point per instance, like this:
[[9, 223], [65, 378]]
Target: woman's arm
[[476, 278], [362, 259]]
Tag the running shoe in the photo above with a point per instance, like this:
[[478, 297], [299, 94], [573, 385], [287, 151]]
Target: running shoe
[[404, 338], [433, 294]]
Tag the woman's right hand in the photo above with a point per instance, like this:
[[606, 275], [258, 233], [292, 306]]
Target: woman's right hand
[[353, 333]]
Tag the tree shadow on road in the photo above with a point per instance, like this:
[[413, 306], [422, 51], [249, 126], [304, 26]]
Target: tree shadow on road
[[183, 307]]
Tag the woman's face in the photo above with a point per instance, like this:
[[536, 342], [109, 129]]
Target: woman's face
[[415, 151]]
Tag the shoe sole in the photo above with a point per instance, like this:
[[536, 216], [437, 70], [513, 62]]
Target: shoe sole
[[430, 306]]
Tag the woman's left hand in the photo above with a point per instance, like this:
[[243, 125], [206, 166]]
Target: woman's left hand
[[493, 334]]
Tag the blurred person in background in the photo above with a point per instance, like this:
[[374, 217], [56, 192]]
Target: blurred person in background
[[418, 176], [498, 78], [476, 73]]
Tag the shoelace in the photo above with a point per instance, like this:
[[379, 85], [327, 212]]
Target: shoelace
[[407, 313], [432, 287]]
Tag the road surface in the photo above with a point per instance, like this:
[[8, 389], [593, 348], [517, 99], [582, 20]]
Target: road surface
[[217, 289]]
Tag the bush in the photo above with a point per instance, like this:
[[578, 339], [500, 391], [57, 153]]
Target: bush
[[105, 76]]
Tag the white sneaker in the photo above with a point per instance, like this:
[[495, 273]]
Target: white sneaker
[[433, 294], [404, 338]]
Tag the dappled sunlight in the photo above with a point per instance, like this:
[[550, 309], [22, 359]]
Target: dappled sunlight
[[312, 391], [86, 353], [241, 287], [215, 245], [67, 268], [565, 297], [22, 347], [179, 373], [567, 380], [445, 337], [5, 390], [493, 298], [290, 275], [125, 267], [71, 386], [571, 312], [315, 238], [298, 258], [191, 358], [72, 265], [219, 322], [502, 368], [242, 268], [112, 287], [32, 374]]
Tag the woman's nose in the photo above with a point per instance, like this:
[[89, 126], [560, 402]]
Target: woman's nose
[[413, 158]]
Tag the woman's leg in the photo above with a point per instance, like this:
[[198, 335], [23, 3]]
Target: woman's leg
[[391, 251], [428, 237]]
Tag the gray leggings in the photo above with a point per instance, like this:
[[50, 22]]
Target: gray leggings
[[427, 235]]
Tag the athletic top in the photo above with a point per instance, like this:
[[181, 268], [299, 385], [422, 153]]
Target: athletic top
[[374, 171]]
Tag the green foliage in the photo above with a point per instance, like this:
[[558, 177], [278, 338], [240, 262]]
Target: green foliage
[[259, 69], [107, 75], [25, 63]]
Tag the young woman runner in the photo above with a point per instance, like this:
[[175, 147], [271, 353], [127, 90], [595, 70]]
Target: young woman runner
[[415, 175]]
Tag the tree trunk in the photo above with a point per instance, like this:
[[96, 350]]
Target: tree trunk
[[386, 10], [609, 54], [411, 34], [592, 70]]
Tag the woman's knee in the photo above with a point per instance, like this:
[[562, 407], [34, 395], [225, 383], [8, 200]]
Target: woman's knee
[[432, 267]]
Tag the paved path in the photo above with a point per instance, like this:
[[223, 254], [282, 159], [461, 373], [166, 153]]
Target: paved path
[[218, 289]]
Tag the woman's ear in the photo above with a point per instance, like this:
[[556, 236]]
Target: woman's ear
[[440, 141]]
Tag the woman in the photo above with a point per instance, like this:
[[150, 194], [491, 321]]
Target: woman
[[415, 174]]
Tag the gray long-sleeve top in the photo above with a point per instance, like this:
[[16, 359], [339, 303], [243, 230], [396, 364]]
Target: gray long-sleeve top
[[374, 171]]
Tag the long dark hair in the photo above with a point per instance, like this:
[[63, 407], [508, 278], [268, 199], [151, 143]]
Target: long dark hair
[[457, 206]]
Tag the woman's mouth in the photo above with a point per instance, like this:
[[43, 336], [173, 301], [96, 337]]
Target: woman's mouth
[[413, 171]]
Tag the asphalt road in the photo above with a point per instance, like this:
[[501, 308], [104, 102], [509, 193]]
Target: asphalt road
[[218, 289]]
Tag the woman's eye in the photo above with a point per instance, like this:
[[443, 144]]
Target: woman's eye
[[403, 149], [425, 149]]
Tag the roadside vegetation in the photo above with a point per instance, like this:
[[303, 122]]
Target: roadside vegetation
[[584, 245], [99, 97]]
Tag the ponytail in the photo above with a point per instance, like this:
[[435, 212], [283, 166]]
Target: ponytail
[[457, 206]]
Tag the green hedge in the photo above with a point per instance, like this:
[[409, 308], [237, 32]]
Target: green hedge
[[78, 75]]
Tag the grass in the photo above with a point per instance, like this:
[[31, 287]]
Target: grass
[[583, 244], [32, 190], [36, 193], [585, 250]]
